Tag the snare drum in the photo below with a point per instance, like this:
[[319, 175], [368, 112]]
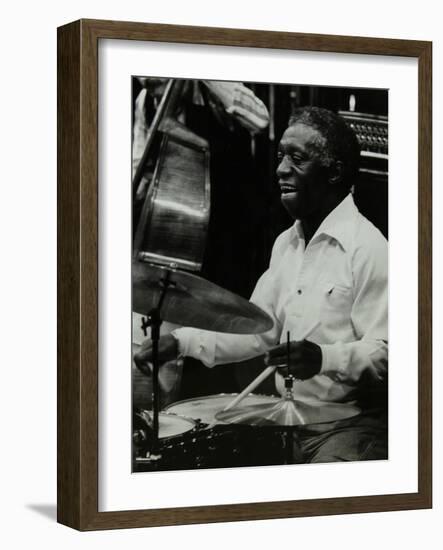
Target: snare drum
[[183, 447], [169, 425], [204, 409]]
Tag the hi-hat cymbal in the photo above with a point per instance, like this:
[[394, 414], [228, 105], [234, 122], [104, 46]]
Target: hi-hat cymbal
[[194, 302], [287, 412]]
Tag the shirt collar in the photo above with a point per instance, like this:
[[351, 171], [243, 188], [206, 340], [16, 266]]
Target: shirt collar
[[337, 224]]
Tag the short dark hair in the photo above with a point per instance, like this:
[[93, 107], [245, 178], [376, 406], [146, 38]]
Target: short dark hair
[[339, 141]]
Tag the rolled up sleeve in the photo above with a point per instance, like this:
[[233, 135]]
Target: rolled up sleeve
[[241, 103]]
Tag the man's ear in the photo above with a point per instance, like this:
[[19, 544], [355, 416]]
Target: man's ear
[[336, 173]]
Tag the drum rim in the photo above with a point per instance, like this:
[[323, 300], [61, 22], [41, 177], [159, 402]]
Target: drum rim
[[183, 401], [172, 414]]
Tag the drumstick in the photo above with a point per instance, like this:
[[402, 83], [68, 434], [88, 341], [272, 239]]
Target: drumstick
[[264, 374]]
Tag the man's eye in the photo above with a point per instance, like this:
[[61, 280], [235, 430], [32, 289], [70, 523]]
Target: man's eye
[[295, 159]]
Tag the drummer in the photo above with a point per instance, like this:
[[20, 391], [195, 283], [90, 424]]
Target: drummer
[[329, 270]]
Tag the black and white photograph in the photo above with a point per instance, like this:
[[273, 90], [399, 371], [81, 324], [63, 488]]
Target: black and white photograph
[[220, 284], [259, 274]]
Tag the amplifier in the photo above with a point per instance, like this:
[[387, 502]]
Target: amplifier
[[371, 188], [372, 134]]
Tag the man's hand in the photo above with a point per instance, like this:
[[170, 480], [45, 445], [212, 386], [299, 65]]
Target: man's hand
[[305, 359], [167, 350]]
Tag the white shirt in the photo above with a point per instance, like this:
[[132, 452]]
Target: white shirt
[[339, 279]]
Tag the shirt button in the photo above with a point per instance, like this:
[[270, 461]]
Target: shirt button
[[298, 291]]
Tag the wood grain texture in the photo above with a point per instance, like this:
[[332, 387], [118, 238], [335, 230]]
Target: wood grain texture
[[253, 38], [68, 275], [78, 284], [425, 274]]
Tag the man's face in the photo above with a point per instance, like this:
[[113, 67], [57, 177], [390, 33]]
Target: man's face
[[302, 179]]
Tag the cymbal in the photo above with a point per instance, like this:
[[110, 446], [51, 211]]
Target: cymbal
[[194, 302], [287, 412]]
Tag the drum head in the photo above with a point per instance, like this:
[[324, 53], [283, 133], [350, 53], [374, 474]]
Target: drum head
[[205, 408], [170, 425]]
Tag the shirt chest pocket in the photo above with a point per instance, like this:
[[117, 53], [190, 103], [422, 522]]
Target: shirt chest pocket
[[336, 304]]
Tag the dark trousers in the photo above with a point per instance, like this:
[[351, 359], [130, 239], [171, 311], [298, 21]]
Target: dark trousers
[[363, 437]]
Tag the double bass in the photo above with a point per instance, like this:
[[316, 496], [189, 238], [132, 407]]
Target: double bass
[[170, 241], [172, 226], [174, 219]]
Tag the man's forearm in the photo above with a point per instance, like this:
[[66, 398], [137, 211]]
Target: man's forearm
[[214, 348]]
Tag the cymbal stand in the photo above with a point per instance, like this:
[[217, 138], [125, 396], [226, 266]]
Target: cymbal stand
[[291, 445], [293, 453], [154, 321]]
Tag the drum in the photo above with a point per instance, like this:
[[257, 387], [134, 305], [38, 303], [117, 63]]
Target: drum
[[171, 428], [212, 444], [204, 409], [170, 425]]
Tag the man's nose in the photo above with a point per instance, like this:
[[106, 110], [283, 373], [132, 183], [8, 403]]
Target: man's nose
[[284, 168]]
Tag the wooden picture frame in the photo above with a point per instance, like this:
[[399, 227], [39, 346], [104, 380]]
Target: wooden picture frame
[[78, 275]]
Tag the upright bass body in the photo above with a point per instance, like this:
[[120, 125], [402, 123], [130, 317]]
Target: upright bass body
[[174, 220]]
